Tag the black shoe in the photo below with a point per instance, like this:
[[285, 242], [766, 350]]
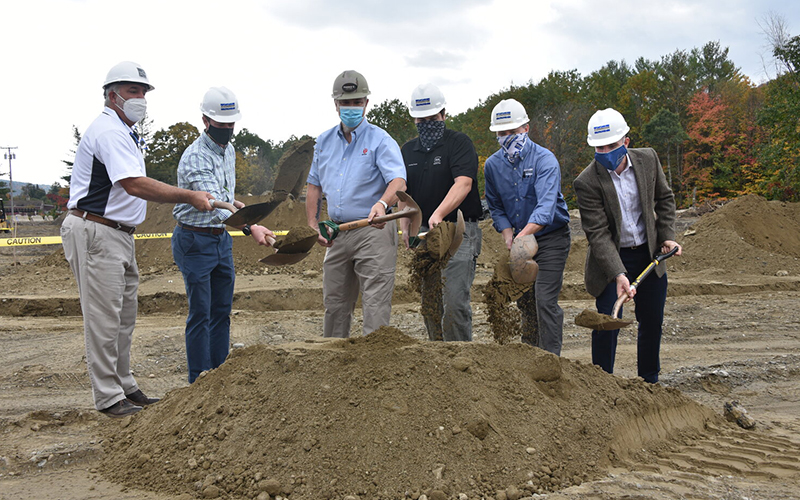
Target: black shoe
[[121, 408], [138, 398]]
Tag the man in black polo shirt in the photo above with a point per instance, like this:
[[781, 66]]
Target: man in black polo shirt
[[442, 173]]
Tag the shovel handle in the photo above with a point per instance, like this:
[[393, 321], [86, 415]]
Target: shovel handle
[[656, 261], [225, 205], [347, 226]]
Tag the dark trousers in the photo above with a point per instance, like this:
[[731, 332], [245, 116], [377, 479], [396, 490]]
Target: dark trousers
[[651, 294], [206, 262]]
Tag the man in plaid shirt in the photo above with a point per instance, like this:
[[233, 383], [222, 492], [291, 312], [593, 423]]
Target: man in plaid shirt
[[202, 248]]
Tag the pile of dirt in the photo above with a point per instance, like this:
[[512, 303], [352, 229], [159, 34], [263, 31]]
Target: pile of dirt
[[385, 416], [748, 235]]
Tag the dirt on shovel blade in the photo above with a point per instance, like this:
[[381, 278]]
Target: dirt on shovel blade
[[300, 239], [597, 321]]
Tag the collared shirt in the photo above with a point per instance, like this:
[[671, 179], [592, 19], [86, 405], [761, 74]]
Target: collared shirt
[[633, 231], [432, 173], [525, 191], [108, 153], [354, 176], [206, 166]]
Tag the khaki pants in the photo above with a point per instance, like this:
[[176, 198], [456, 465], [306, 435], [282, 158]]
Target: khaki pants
[[360, 260], [104, 263]]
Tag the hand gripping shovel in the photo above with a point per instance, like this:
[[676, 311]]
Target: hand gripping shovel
[[329, 229], [596, 321]]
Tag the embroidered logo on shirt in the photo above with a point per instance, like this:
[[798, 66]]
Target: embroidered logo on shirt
[[364, 153], [437, 160], [528, 172]]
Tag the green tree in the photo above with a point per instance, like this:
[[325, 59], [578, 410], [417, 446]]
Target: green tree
[[55, 188], [392, 116], [664, 131], [780, 156], [33, 192], [166, 149], [76, 135]]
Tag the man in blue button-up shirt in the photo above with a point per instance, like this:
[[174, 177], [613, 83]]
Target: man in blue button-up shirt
[[523, 190], [358, 168]]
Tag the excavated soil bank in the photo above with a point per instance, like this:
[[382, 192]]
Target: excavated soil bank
[[385, 416]]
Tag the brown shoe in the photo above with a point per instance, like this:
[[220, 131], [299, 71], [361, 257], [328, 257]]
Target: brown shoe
[[121, 408], [138, 398]]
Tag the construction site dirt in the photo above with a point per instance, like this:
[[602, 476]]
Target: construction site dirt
[[394, 415]]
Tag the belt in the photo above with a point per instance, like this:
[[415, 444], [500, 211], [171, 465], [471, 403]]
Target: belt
[[102, 220], [207, 230], [636, 247]]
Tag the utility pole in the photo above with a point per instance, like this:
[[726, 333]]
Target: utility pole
[[12, 156]]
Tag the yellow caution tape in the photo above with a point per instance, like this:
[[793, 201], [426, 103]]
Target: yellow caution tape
[[56, 240]]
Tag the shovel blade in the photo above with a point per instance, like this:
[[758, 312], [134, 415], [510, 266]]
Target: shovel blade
[[458, 237], [300, 246], [596, 321], [252, 214], [283, 259]]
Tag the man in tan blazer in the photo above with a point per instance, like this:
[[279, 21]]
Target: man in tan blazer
[[628, 214]]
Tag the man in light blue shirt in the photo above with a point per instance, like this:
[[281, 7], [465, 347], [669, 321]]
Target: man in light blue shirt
[[523, 190], [358, 168], [201, 247]]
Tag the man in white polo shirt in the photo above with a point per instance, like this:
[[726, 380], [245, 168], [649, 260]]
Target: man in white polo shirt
[[108, 190]]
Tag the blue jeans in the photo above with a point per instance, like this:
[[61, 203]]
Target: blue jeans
[[448, 316], [206, 262], [539, 305], [651, 295]]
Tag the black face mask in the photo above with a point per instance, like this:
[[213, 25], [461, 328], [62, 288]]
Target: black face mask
[[221, 136]]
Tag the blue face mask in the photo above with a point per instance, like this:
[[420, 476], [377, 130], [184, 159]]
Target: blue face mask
[[612, 159], [351, 115]]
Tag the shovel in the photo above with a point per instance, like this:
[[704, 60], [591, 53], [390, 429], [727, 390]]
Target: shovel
[[251, 214], [455, 241], [291, 253], [597, 321], [412, 211]]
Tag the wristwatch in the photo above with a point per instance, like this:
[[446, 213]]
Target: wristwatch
[[246, 230]]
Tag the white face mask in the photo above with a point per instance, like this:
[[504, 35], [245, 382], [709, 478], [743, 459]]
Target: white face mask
[[134, 109], [513, 143]]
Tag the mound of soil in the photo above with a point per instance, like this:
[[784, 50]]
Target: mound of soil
[[385, 416], [748, 235]]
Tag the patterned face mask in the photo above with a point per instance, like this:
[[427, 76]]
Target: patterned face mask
[[513, 144], [429, 133]]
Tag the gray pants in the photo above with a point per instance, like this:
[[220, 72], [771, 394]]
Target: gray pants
[[448, 316], [103, 260], [360, 260], [540, 304]]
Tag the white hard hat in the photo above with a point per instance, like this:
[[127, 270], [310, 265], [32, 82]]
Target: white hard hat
[[350, 85], [127, 71], [607, 126], [426, 100], [508, 115], [221, 105]]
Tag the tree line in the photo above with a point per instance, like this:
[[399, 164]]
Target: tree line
[[718, 134]]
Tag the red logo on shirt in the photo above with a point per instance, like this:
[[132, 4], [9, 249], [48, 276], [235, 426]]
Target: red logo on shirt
[[364, 152]]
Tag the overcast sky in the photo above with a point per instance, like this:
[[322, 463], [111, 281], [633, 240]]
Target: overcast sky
[[281, 57]]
